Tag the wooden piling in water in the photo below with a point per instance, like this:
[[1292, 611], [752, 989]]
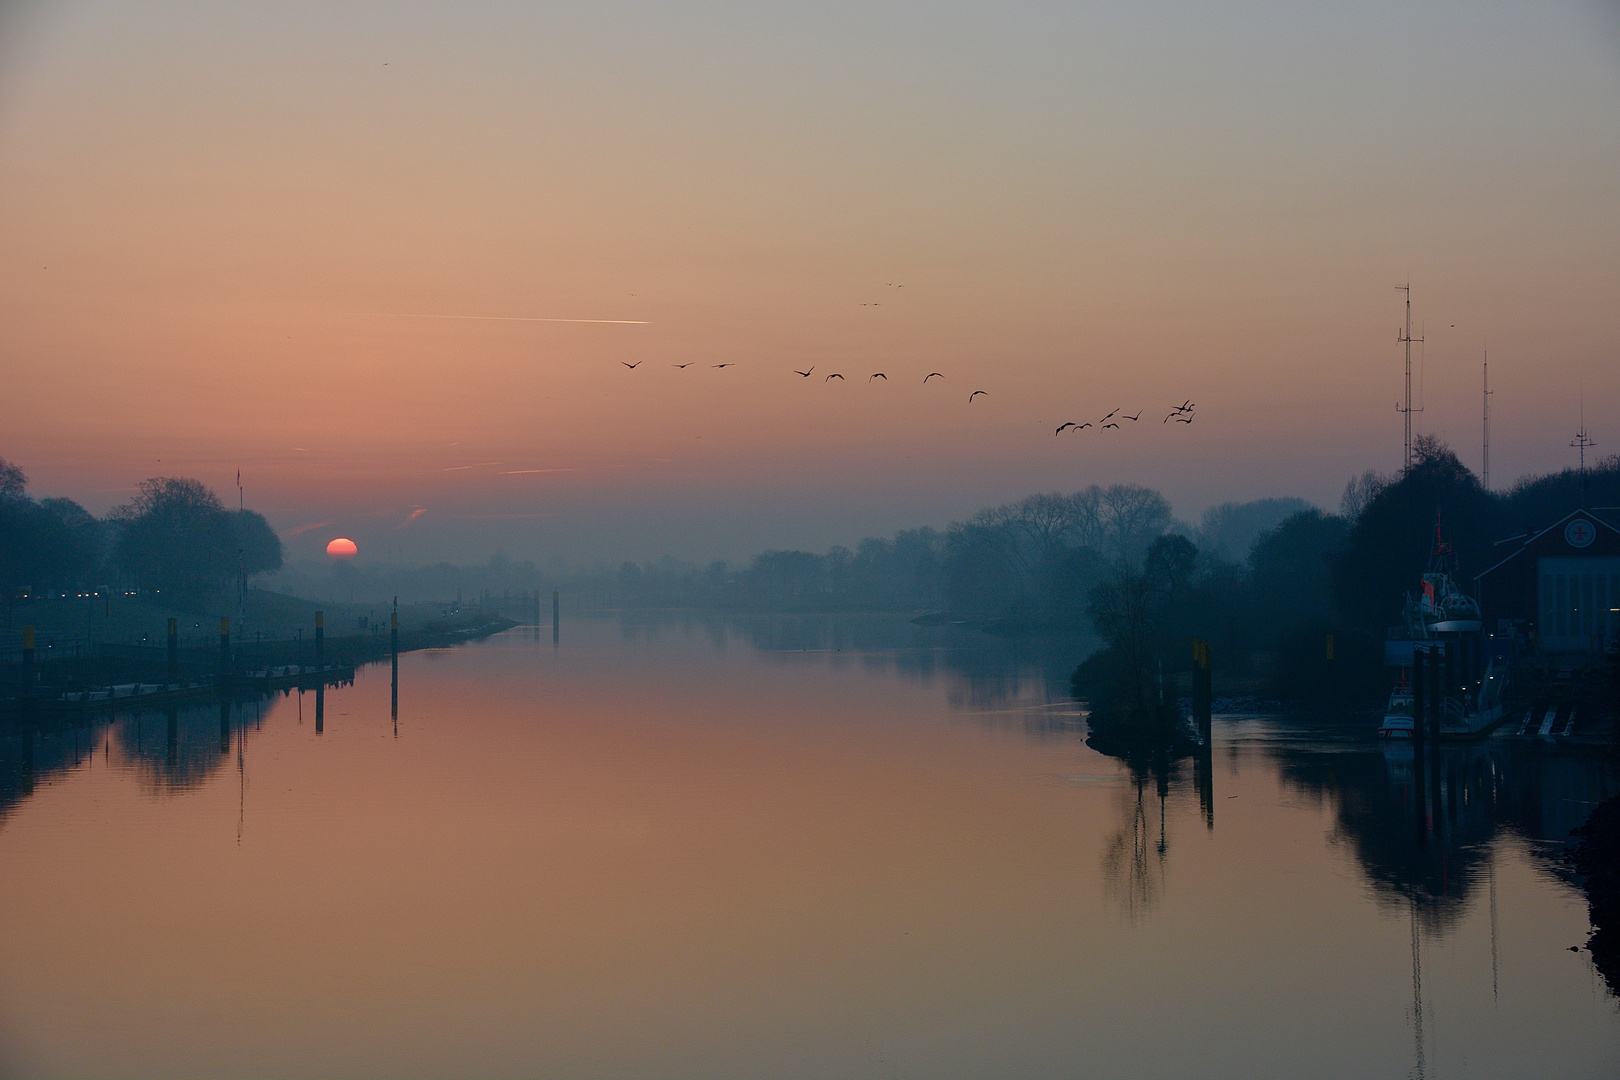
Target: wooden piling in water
[[320, 638], [30, 677], [1419, 693], [393, 647], [1436, 689]]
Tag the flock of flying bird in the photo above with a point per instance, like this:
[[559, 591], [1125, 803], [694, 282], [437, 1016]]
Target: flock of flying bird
[[1181, 414]]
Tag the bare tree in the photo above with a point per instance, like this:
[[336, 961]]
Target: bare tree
[[1361, 490], [1132, 518]]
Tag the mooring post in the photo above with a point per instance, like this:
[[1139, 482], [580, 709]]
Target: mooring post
[[320, 708], [393, 644], [1420, 727], [174, 650], [30, 677], [320, 638], [224, 724], [556, 615], [1436, 690], [224, 646]]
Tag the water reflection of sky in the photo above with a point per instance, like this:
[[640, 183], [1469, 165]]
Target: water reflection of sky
[[777, 846]]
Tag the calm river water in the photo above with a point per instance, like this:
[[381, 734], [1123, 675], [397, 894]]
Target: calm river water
[[776, 848]]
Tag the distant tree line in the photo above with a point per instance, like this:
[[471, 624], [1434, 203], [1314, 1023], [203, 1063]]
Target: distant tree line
[[174, 537]]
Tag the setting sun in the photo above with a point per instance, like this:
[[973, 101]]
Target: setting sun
[[342, 548]]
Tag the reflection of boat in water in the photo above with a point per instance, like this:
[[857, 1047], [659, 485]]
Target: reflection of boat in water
[[1465, 695]]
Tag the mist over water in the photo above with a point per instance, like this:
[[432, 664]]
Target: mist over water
[[786, 846]]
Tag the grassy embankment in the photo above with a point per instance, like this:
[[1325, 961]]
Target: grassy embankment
[[273, 620]]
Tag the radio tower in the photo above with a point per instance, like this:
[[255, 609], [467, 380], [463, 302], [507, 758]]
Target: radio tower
[[1405, 337], [1485, 478]]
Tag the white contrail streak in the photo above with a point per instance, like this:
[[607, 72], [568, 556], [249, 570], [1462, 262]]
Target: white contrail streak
[[490, 318]]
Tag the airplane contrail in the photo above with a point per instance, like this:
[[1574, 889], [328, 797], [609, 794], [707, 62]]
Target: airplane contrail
[[490, 318]]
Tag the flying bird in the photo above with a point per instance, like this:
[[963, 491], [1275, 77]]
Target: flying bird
[[1110, 425], [932, 375], [1166, 420], [1059, 431], [975, 394], [722, 365], [833, 376], [1184, 419], [1087, 424], [1105, 419], [633, 366], [1138, 416], [1186, 406], [683, 367], [877, 375], [804, 374]]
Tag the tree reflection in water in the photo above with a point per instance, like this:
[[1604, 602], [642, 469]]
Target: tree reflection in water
[[1133, 857]]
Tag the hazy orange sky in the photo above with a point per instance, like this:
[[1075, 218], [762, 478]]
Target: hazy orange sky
[[214, 221]]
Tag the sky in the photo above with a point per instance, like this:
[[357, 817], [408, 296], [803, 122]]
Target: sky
[[309, 241]]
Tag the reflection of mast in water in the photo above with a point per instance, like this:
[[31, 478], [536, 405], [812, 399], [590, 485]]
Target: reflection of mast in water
[[173, 735], [320, 708], [1417, 996], [1490, 870], [241, 782]]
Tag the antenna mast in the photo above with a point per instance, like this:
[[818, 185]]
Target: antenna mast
[[1405, 337], [1486, 478], [1581, 443]]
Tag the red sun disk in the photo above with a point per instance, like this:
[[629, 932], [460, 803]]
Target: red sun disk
[[342, 548]]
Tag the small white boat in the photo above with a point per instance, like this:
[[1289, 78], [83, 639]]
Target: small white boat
[[1398, 714]]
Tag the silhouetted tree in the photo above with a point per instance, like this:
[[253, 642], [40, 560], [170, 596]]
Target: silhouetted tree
[[176, 536], [45, 545], [1389, 545], [1230, 529]]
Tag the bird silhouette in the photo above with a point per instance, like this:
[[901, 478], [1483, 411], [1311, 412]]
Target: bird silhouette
[[1166, 420], [722, 365], [633, 366], [683, 367], [1184, 419], [1138, 416], [833, 376], [877, 375], [975, 394], [804, 374], [1059, 431], [1087, 424], [1186, 406], [1110, 425], [932, 375], [1105, 419]]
